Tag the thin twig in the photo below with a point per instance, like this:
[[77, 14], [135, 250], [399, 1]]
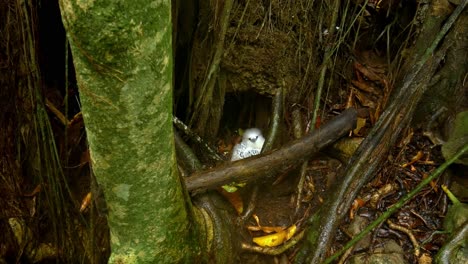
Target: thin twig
[[409, 233]]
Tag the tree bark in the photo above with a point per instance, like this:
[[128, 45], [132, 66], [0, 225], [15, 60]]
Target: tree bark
[[123, 59]]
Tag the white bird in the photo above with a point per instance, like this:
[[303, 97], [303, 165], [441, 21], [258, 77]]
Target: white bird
[[252, 143]]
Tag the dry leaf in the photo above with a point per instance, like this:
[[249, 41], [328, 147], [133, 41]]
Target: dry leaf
[[360, 123], [85, 202]]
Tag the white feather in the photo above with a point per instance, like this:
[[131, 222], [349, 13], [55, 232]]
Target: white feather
[[252, 143]]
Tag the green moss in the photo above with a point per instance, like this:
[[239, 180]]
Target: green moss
[[123, 60]]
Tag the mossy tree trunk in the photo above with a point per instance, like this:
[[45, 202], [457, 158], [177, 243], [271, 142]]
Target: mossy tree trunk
[[123, 58]]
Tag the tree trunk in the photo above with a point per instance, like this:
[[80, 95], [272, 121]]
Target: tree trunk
[[123, 58]]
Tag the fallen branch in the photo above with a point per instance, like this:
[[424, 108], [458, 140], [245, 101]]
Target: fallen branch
[[294, 153]]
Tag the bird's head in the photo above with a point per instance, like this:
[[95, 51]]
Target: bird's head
[[253, 137]]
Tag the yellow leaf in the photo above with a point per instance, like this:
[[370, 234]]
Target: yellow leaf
[[290, 232], [361, 122], [276, 239], [272, 240]]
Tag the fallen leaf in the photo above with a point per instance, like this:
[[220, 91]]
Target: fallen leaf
[[417, 157], [234, 199], [360, 123], [276, 239], [85, 202]]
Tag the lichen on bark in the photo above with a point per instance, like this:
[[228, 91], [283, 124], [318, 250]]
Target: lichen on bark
[[123, 60]]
